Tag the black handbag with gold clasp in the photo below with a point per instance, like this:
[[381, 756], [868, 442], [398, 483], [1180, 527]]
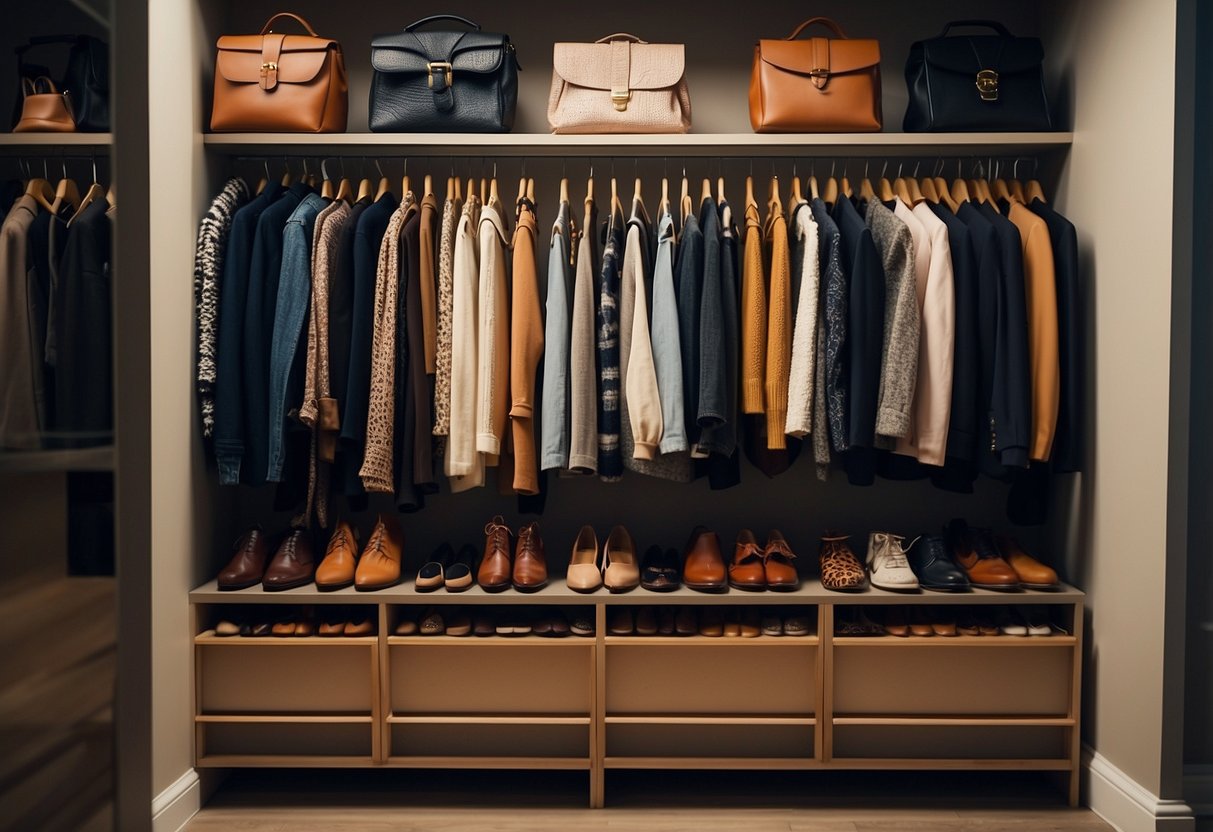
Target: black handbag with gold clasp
[[976, 82]]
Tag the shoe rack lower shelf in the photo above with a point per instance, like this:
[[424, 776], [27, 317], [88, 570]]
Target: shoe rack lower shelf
[[605, 702]]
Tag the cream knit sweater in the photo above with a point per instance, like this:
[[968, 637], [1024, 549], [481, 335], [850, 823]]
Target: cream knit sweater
[[493, 339], [803, 374], [462, 464]]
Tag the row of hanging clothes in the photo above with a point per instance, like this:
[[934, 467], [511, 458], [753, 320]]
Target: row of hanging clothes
[[352, 342], [56, 380]]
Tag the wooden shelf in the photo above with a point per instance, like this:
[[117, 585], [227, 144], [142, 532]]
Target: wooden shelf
[[714, 763], [949, 764], [65, 459], [209, 638], [283, 761], [41, 142], [969, 721], [710, 641], [496, 641], [487, 719], [284, 719], [710, 719], [691, 144], [955, 641], [565, 763], [810, 593]]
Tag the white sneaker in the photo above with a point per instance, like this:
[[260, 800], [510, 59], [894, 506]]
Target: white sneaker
[[888, 565]]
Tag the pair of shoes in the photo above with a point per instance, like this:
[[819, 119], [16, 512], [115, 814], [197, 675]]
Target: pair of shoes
[[852, 621], [347, 621], [377, 568], [618, 570], [794, 624], [888, 567], [757, 568], [291, 565], [526, 570], [997, 562], [1025, 621], [451, 621], [841, 571], [659, 570], [447, 569]]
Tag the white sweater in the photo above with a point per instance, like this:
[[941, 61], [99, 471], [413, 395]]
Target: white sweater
[[462, 463], [493, 339], [638, 372], [804, 334]]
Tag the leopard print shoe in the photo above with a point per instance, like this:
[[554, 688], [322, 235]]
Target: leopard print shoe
[[841, 571]]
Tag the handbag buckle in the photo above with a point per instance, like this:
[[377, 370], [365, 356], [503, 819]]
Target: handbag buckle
[[446, 72], [620, 99], [987, 85]]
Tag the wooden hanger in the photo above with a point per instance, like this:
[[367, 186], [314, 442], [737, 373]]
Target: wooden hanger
[[705, 191], [720, 189], [111, 196], [429, 186], [458, 189], [385, 187], [484, 191], [42, 192], [928, 191], [450, 189], [564, 189], [66, 192], [960, 191], [265, 180], [916, 195], [1033, 191], [636, 191], [616, 206], [1017, 191], [844, 187], [774, 203], [749, 192], [684, 202], [286, 176], [664, 205], [521, 190], [365, 189], [795, 197], [589, 187], [530, 192], [830, 196], [345, 191]]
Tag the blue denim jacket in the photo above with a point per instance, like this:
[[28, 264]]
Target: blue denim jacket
[[667, 349], [294, 294], [554, 430]]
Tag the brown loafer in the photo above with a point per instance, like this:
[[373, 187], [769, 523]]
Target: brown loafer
[[247, 566], [1031, 572], [703, 566], [495, 567], [746, 571], [379, 566], [530, 566], [973, 551], [292, 565], [777, 563], [336, 571]]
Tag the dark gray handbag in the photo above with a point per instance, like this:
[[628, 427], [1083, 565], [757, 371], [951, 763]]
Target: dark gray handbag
[[443, 81], [976, 82]]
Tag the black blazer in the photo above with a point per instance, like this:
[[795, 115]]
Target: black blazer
[[1067, 441]]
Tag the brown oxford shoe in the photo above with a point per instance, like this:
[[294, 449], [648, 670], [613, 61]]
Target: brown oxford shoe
[[746, 571], [336, 571], [777, 561], [973, 551], [379, 566], [530, 567], [247, 565], [292, 565], [1032, 573], [496, 570], [703, 567]]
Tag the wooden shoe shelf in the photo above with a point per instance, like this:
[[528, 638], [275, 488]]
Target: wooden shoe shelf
[[638, 702]]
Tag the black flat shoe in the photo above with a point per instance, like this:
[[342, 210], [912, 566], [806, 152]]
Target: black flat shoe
[[461, 573], [659, 570], [432, 574]]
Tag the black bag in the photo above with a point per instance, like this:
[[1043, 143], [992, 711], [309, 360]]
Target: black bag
[[448, 82], [987, 82], [86, 79]]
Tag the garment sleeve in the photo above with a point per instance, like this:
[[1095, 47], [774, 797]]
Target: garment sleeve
[[376, 469], [899, 371], [753, 321], [488, 370], [641, 390], [802, 375], [779, 338], [583, 377], [668, 358]]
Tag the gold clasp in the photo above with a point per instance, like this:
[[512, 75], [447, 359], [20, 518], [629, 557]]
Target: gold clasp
[[446, 72], [269, 66], [987, 85], [620, 99]]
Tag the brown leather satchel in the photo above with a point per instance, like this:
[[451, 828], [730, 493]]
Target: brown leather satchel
[[273, 82], [819, 85], [44, 109]]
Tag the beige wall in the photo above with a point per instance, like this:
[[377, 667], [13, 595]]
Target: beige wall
[[1122, 510]]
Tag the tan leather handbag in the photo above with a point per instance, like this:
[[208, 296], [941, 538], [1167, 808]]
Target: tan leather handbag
[[819, 85], [271, 82], [44, 109], [619, 84]]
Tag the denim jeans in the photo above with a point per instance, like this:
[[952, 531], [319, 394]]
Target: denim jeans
[[554, 439]]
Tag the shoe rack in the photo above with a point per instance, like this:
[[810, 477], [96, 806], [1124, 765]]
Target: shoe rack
[[610, 702]]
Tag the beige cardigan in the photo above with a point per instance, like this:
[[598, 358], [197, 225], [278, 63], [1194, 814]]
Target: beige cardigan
[[493, 338], [462, 463], [583, 375], [803, 372], [638, 373]]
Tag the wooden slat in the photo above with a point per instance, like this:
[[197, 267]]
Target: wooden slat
[[956, 641], [948, 764], [494, 641], [704, 641], [709, 719], [714, 763], [209, 638], [282, 761], [566, 763], [487, 719], [284, 719], [929, 720]]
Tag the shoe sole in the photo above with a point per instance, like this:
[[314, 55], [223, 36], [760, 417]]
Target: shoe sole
[[524, 588], [495, 587], [1042, 587], [783, 587], [747, 587], [860, 588], [377, 587], [617, 590], [907, 590], [660, 587], [999, 587], [333, 587], [947, 588], [463, 588], [284, 587], [586, 590], [237, 588], [427, 587], [716, 588]]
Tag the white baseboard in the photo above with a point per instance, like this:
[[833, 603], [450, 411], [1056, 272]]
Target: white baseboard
[[1198, 789], [173, 807], [1125, 803]]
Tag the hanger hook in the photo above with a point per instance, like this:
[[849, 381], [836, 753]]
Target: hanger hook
[[379, 168], [916, 164], [899, 167], [94, 167]]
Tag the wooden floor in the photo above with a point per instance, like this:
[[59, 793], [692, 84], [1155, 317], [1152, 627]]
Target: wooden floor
[[56, 697], [404, 801]]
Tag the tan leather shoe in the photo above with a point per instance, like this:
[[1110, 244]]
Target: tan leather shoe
[[247, 565], [530, 566], [840, 569], [973, 551], [495, 567], [584, 574], [292, 565], [621, 567], [336, 571], [1032, 573], [778, 564], [746, 569], [703, 566], [379, 566]]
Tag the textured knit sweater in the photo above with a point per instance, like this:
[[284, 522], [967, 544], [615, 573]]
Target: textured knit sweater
[[428, 266], [493, 338], [445, 311], [753, 316], [462, 461], [899, 355], [208, 272], [803, 374]]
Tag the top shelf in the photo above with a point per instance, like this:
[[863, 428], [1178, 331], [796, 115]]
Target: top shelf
[[44, 141], [690, 144]]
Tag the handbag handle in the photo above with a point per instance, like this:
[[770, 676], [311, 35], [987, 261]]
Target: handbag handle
[[620, 36], [266, 28], [987, 24], [824, 21], [49, 85], [436, 17]]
